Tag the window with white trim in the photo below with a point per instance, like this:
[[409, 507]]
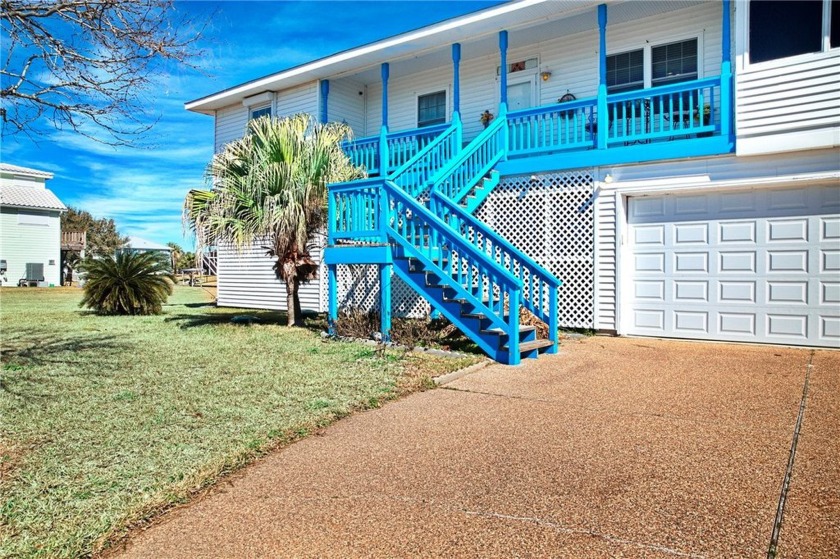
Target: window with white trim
[[651, 66], [780, 29], [260, 111], [673, 63], [431, 109], [626, 71]]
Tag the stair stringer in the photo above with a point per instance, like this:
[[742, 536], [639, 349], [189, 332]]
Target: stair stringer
[[452, 310]]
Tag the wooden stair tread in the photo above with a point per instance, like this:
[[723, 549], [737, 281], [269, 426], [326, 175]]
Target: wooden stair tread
[[499, 332], [530, 346]]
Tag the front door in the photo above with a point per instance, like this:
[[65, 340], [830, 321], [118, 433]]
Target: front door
[[521, 94]]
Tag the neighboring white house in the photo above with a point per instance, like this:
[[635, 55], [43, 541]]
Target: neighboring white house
[[138, 244], [30, 228], [686, 186]]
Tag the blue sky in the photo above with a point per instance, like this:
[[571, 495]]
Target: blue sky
[[143, 189]]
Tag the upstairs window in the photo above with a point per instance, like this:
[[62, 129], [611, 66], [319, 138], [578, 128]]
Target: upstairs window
[[674, 62], [431, 109], [261, 111], [625, 71], [780, 29]]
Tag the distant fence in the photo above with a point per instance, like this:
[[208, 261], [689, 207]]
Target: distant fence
[[73, 240]]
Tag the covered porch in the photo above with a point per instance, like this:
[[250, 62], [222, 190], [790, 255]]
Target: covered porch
[[560, 108]]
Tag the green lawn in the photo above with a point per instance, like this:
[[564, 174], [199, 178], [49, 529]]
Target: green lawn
[[105, 421]]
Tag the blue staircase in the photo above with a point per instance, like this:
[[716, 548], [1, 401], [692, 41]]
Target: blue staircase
[[464, 269]]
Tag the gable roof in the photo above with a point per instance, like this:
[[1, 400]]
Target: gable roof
[[25, 171], [139, 243], [28, 197]]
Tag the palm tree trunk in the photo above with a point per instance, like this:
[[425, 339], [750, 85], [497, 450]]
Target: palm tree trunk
[[290, 275], [298, 309]]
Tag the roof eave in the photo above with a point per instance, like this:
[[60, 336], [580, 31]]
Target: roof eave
[[319, 69]]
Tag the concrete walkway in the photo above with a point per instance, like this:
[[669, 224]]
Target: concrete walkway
[[614, 448]]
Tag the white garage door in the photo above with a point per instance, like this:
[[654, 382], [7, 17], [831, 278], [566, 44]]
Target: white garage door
[[757, 266]]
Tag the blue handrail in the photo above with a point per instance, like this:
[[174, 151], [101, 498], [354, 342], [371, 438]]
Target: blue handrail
[[472, 163], [664, 111], [553, 127], [540, 294], [473, 273], [353, 211], [414, 175], [401, 147], [364, 152]]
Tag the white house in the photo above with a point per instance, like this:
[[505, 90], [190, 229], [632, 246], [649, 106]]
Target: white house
[[674, 163], [30, 228]]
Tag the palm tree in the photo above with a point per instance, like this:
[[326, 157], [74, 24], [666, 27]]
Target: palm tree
[[175, 254], [130, 283], [271, 187]]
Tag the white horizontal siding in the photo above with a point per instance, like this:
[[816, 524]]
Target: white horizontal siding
[[786, 97], [346, 103], [300, 99], [730, 167], [702, 21], [231, 123], [605, 260], [246, 279]]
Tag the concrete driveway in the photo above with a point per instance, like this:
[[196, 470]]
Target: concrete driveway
[[613, 448]]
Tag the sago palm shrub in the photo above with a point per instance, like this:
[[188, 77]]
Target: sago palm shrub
[[131, 283]]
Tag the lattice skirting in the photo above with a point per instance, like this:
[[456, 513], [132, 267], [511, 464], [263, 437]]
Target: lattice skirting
[[550, 217], [358, 288]]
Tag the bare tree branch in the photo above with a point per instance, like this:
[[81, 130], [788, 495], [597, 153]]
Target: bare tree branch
[[86, 65]]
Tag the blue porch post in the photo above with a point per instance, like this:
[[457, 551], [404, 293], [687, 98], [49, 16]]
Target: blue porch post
[[726, 112], [503, 70], [456, 89], [385, 301], [603, 117], [332, 296], [325, 93], [384, 157]]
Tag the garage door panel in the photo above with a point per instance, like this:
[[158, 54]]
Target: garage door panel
[[783, 230], [737, 262], [787, 261], [691, 233], [737, 232], [691, 262], [829, 293], [748, 266], [787, 326], [829, 228], [787, 199], [830, 330], [651, 262], [691, 205], [786, 292], [652, 320], [691, 291], [650, 235], [649, 290], [737, 324], [738, 292], [830, 261], [691, 322]]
